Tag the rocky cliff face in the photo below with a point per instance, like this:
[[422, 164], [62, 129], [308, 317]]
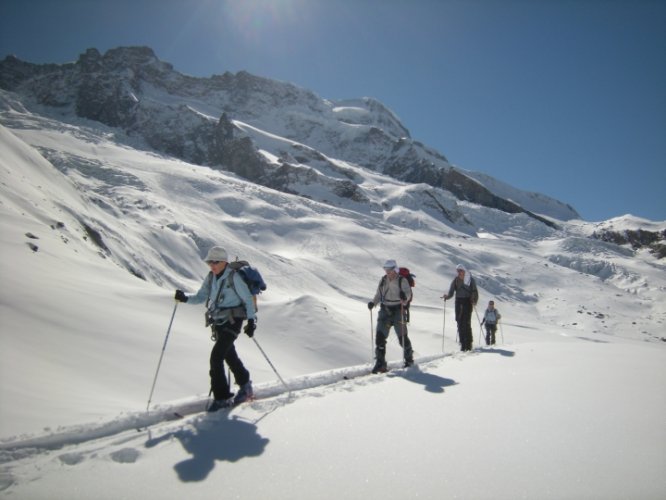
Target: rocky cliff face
[[654, 241], [240, 122]]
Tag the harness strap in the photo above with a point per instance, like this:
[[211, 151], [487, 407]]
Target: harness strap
[[219, 290], [383, 282]]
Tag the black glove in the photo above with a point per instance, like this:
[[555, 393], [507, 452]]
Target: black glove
[[483, 321], [371, 304], [180, 296], [250, 328], [402, 295]]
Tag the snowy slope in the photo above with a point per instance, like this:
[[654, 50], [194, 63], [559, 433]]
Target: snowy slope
[[96, 235], [534, 202]]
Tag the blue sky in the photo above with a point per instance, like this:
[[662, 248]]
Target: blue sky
[[561, 97]]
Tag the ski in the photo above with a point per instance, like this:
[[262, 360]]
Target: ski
[[231, 406], [180, 415]]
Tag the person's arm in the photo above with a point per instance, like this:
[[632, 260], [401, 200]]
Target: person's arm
[[406, 290], [378, 295], [202, 294], [452, 290], [197, 298]]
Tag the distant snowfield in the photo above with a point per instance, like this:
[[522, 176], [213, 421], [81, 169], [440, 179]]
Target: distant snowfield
[[96, 236]]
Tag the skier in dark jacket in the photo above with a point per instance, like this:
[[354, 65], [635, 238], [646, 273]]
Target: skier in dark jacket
[[228, 302], [393, 293], [464, 288]]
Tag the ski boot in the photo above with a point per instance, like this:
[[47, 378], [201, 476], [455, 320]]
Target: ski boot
[[219, 404], [380, 364], [380, 367], [244, 394]]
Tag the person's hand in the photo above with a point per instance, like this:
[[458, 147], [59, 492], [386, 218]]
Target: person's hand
[[180, 296], [250, 328], [483, 321], [403, 296], [371, 304]]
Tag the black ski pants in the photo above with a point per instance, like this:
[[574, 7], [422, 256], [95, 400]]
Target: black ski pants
[[491, 328], [224, 350], [464, 319]]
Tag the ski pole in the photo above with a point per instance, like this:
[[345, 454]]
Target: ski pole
[[372, 344], [402, 328], [455, 314], [271, 365], [478, 318], [444, 326], [161, 356], [501, 331]]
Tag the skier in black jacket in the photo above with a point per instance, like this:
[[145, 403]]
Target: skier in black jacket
[[464, 288]]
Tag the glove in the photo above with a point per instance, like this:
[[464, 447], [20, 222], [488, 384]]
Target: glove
[[402, 295], [483, 321], [371, 304], [180, 296], [250, 328]]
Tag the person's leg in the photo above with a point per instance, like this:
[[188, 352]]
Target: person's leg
[[400, 327], [384, 324], [459, 320], [218, 379], [466, 327]]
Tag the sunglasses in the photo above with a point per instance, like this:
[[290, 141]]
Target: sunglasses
[[210, 262]]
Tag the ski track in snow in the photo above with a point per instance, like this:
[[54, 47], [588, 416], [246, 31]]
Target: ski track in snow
[[268, 397]]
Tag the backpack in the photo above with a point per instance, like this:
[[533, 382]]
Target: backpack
[[251, 276], [404, 272]]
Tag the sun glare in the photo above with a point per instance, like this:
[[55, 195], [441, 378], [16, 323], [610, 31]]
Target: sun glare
[[261, 22]]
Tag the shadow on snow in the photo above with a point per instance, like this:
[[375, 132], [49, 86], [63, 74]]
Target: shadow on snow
[[208, 442], [431, 383]]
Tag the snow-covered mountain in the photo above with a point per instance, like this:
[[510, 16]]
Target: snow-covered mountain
[[267, 131], [105, 212]]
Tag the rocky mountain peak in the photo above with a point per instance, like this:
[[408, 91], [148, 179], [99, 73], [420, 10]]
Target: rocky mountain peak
[[231, 121]]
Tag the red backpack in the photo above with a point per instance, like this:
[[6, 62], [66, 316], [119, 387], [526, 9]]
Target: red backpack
[[404, 272]]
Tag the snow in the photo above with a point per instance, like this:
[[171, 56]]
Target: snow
[[569, 404], [535, 202]]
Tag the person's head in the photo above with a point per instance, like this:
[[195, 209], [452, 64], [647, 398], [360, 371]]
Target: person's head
[[216, 258], [390, 267], [491, 304], [460, 269]]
